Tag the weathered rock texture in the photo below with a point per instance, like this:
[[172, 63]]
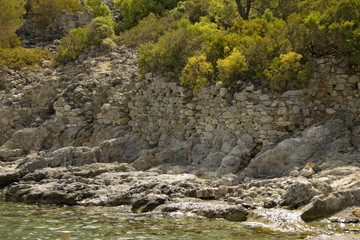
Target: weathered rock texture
[[92, 132]]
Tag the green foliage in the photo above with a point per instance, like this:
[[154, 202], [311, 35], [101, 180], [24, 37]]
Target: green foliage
[[150, 29], [10, 42], [100, 28], [196, 73], [333, 27], [286, 72], [98, 8], [232, 68], [18, 57], [223, 12], [71, 46], [98, 33], [170, 53], [44, 12], [193, 10], [274, 47], [135, 10], [11, 12], [107, 44]]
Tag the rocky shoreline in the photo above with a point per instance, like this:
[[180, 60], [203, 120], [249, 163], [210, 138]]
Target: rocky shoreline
[[72, 135]]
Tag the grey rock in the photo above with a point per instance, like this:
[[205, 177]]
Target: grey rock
[[148, 203], [324, 207], [299, 194], [294, 152]]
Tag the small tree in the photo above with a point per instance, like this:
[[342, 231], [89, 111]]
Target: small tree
[[11, 12]]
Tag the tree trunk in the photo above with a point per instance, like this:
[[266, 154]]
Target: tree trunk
[[244, 11]]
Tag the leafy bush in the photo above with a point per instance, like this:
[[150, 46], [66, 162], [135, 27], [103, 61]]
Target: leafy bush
[[98, 8], [100, 28], [232, 67], [17, 58], [44, 12], [196, 73], [135, 10], [150, 29], [223, 12], [193, 9], [71, 46], [286, 72], [98, 33], [11, 41], [333, 27], [11, 12], [107, 44], [170, 53]]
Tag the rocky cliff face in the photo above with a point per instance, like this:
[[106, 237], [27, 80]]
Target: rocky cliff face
[[80, 127]]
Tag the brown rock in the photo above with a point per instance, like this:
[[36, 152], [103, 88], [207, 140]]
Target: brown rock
[[356, 212]]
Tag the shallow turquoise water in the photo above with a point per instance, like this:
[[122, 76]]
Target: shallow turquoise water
[[21, 221]]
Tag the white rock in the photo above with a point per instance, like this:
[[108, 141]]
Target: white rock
[[330, 111]]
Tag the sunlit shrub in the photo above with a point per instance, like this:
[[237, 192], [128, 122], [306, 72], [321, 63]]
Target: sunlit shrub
[[100, 28], [71, 46], [98, 8], [11, 12], [286, 72], [18, 57], [196, 73], [232, 67]]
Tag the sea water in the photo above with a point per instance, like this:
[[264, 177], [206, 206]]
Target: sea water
[[22, 221]]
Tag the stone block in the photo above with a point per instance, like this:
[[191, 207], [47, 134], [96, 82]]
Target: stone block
[[353, 79]]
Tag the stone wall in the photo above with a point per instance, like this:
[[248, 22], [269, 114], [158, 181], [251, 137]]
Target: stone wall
[[162, 106]]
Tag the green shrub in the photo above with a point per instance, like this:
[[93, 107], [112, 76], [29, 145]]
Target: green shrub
[[193, 9], [18, 57], [100, 28], [333, 27], [71, 46], [223, 12], [107, 44], [286, 72], [11, 41], [44, 12], [170, 53], [11, 12], [150, 29], [98, 33], [232, 68], [196, 73], [135, 10], [98, 8]]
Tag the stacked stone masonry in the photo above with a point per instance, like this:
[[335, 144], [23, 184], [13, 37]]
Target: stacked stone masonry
[[164, 107]]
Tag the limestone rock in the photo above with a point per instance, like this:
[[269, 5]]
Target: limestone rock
[[299, 194], [150, 158], [293, 152], [337, 201], [148, 203]]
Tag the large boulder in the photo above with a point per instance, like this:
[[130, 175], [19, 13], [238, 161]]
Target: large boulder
[[326, 206], [298, 194], [295, 152]]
